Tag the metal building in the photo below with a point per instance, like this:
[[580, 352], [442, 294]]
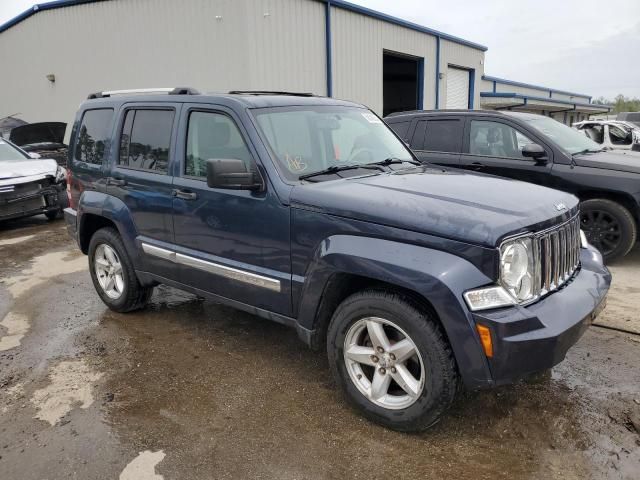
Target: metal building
[[56, 53], [566, 107]]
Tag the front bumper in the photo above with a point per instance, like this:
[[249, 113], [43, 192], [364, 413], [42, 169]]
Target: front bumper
[[44, 200], [530, 339]]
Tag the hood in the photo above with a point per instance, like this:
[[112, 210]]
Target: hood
[[43, 132], [472, 208], [619, 160], [27, 170]]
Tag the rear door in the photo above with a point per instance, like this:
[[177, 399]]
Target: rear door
[[438, 139], [140, 177], [495, 146]]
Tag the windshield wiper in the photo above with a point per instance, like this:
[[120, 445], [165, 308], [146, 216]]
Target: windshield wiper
[[332, 169], [390, 160]]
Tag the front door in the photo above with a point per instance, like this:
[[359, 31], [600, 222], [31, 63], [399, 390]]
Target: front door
[[495, 147], [232, 243], [140, 179]]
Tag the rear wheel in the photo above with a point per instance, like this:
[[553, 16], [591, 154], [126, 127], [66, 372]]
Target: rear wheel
[[391, 360], [112, 273], [609, 227]]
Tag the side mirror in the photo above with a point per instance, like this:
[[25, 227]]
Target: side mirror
[[232, 174], [533, 150]]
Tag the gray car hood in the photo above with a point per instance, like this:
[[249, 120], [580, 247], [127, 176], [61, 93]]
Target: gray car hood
[[621, 161], [25, 170]]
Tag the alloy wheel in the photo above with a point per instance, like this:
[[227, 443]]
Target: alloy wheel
[[384, 363], [602, 230], [108, 269]]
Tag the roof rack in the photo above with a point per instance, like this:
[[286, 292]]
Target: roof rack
[[269, 92], [139, 91]]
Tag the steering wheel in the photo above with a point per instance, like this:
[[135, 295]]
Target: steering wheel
[[361, 151]]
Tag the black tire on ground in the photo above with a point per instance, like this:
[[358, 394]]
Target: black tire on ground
[[134, 296], [609, 227], [53, 214], [441, 376]]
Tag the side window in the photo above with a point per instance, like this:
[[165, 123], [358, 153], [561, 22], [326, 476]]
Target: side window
[[619, 136], [496, 139], [145, 140], [212, 135], [93, 140], [401, 128], [443, 136]]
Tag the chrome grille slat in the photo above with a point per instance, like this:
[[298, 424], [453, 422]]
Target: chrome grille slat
[[557, 253]]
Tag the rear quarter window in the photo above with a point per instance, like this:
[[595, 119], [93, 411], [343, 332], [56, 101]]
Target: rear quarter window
[[401, 129], [94, 136]]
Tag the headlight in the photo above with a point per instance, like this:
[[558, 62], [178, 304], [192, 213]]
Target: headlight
[[61, 173], [517, 278], [517, 269]]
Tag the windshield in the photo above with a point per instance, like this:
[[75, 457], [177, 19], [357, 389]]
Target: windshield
[[309, 139], [570, 140], [9, 152]]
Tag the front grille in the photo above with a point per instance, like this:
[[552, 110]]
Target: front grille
[[24, 206], [557, 253], [20, 190]]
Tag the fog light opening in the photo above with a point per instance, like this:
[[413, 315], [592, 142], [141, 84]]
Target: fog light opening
[[485, 340]]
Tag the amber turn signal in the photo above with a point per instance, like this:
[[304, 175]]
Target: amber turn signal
[[485, 339]]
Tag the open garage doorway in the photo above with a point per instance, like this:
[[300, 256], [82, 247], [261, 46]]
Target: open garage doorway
[[401, 82]]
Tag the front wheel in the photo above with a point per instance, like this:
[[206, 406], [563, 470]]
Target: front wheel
[[112, 273], [391, 360], [609, 227]]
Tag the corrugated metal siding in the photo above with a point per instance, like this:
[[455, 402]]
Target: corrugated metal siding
[[358, 44], [458, 55], [149, 43], [571, 98], [501, 87]]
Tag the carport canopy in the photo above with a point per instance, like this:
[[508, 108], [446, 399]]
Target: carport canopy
[[517, 101]]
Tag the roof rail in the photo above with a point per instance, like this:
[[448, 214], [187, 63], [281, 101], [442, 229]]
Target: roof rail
[[269, 92], [138, 91]]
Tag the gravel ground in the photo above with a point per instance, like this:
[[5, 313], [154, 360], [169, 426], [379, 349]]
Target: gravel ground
[[189, 389]]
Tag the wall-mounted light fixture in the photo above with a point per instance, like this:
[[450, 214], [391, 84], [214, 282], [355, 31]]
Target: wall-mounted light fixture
[[51, 77], [441, 75]]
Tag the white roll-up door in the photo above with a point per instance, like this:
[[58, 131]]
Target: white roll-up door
[[457, 88]]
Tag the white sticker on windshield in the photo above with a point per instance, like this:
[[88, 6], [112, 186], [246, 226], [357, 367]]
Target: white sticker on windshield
[[371, 118]]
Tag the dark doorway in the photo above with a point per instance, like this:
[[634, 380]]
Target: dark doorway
[[401, 83]]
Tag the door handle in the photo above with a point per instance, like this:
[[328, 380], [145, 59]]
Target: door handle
[[184, 194], [477, 166], [118, 182]]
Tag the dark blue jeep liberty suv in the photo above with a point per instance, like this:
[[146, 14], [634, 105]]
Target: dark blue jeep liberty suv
[[311, 212]]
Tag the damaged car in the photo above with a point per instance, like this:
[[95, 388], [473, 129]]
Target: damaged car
[[30, 185], [614, 135], [45, 139]]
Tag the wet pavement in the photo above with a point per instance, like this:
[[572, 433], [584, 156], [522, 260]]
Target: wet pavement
[[189, 389]]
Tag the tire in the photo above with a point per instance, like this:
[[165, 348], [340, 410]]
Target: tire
[[609, 227], [127, 293], [433, 366], [53, 214]]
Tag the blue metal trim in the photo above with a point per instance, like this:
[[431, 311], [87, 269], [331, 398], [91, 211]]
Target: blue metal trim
[[403, 23], [543, 99], [551, 95], [336, 3], [421, 84], [495, 86], [472, 87], [528, 85], [329, 48], [437, 73], [39, 7]]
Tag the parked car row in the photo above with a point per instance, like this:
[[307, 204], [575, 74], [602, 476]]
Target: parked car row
[[311, 212]]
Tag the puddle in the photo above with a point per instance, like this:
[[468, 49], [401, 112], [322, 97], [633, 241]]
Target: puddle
[[71, 384], [13, 241], [16, 325], [43, 269], [143, 467]]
